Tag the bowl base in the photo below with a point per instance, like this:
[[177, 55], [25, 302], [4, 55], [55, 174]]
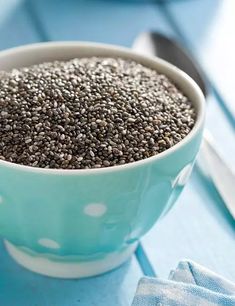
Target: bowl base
[[51, 268]]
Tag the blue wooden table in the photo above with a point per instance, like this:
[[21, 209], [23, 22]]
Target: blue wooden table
[[199, 226]]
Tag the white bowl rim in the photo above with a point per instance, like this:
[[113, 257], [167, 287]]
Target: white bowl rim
[[129, 53]]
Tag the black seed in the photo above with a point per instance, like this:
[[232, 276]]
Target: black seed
[[89, 113]]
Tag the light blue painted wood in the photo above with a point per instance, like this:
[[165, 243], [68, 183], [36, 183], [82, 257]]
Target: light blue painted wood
[[144, 262], [208, 26], [198, 228], [23, 288], [7, 7], [221, 130], [15, 25], [109, 21], [19, 287]]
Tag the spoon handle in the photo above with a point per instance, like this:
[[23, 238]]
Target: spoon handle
[[211, 163]]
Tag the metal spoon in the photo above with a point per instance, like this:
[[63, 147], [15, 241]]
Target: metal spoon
[[210, 161], [154, 43]]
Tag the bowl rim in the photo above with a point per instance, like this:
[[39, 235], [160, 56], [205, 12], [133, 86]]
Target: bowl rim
[[128, 53]]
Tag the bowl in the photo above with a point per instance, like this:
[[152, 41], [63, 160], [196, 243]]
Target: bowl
[[79, 223]]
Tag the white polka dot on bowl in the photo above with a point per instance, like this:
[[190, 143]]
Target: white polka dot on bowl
[[49, 243], [95, 209], [1, 199]]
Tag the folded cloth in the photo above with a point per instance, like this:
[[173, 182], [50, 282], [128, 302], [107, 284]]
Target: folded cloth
[[190, 284]]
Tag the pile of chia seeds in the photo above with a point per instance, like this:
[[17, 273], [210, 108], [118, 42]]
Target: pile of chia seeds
[[89, 113]]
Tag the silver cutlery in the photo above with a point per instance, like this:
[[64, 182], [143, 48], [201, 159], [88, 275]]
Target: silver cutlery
[[209, 160]]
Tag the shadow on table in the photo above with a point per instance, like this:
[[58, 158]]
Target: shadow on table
[[21, 287]]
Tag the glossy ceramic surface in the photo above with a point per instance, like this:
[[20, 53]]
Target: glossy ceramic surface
[[78, 216]]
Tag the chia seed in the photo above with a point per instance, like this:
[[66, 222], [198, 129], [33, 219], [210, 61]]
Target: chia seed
[[89, 113]]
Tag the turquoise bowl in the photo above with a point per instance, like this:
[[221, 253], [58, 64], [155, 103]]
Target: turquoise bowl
[[78, 223]]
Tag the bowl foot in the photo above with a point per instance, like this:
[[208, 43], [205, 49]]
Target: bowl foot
[[51, 268]]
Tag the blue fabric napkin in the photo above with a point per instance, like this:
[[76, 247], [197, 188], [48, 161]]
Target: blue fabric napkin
[[190, 284]]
